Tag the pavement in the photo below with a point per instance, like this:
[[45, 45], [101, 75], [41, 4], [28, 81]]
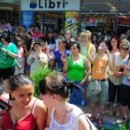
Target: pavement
[[109, 123]]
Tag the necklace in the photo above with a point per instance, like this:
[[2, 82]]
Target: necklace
[[61, 125]]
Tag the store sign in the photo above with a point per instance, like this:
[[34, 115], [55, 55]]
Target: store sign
[[50, 5]]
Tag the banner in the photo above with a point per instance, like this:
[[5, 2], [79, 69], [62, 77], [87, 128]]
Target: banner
[[50, 5], [27, 18], [72, 22]]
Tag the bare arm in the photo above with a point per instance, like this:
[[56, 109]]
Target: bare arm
[[88, 71], [91, 54], [11, 54], [65, 62], [83, 125], [41, 115]]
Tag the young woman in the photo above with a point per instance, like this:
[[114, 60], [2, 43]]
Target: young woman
[[77, 64], [37, 58], [88, 49], [99, 72], [114, 88], [60, 53], [8, 54], [124, 78], [19, 68], [126, 88], [26, 109], [54, 92]]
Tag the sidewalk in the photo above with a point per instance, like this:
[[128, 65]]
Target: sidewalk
[[109, 123]]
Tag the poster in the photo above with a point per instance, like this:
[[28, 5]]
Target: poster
[[72, 22], [27, 18]]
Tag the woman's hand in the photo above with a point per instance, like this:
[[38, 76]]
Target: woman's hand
[[64, 58], [118, 74], [82, 82]]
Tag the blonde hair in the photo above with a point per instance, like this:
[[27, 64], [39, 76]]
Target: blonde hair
[[125, 42], [87, 34]]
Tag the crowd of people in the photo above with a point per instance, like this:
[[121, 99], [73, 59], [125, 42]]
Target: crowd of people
[[80, 60]]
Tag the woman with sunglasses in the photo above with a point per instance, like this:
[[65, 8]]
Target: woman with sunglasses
[[125, 86], [119, 60]]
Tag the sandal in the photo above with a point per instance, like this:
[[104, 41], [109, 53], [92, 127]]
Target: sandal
[[100, 122]]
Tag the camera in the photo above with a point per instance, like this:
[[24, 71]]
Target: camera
[[121, 69]]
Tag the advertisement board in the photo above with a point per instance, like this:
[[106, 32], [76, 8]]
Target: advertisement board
[[72, 22], [50, 5], [27, 18]]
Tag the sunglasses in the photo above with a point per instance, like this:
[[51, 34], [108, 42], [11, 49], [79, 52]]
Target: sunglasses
[[123, 48]]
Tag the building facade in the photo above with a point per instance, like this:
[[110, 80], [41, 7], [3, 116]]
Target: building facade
[[96, 15]]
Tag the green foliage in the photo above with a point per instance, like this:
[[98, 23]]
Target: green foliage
[[125, 125], [37, 76]]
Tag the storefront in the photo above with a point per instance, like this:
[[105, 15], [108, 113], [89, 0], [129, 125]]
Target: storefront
[[99, 16], [10, 12], [56, 14], [105, 16]]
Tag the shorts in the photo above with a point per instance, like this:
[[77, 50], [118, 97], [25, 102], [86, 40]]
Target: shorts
[[125, 96], [114, 93], [7, 73], [102, 97]]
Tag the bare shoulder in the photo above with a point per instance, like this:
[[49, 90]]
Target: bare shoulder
[[40, 108], [40, 104]]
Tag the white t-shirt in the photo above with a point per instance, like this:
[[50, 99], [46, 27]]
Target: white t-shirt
[[36, 63]]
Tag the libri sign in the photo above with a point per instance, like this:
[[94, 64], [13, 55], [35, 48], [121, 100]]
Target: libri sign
[[50, 5]]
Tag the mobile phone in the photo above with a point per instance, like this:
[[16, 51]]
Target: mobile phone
[[4, 107]]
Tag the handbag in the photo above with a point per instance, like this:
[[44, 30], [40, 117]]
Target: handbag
[[94, 87]]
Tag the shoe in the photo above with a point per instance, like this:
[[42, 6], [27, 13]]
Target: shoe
[[100, 122], [92, 118]]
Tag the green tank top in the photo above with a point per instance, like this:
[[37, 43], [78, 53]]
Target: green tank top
[[76, 70], [7, 61]]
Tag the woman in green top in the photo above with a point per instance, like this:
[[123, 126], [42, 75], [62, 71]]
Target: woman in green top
[[78, 70], [8, 53]]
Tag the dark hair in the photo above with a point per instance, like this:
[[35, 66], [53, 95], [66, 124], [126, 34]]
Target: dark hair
[[6, 36], [77, 45], [24, 27], [37, 26], [55, 84], [43, 39], [19, 81], [118, 43]]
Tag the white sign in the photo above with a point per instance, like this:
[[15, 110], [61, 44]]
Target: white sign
[[50, 5]]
